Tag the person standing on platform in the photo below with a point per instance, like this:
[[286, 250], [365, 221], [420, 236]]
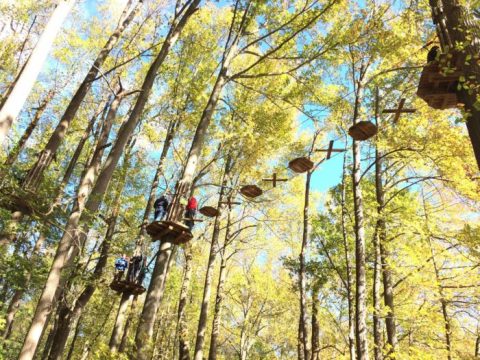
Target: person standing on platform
[[190, 211], [121, 265]]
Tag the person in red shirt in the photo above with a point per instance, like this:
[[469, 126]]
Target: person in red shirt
[[190, 211]]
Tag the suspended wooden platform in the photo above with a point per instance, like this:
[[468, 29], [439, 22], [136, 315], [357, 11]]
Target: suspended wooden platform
[[124, 286], [363, 130], [301, 165], [251, 191], [209, 211], [169, 231]]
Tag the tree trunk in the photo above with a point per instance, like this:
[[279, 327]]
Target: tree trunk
[[68, 246], [154, 293], [183, 343], [383, 252], [302, 271], [48, 153], [217, 314], [119, 321], [361, 281], [315, 324], [348, 265], [214, 248], [377, 332], [16, 99], [74, 340], [13, 155], [18, 295], [76, 155], [70, 316], [438, 280]]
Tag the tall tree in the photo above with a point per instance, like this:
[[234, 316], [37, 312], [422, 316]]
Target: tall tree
[[24, 84]]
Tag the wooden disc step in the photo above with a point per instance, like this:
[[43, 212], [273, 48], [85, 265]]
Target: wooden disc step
[[301, 165]]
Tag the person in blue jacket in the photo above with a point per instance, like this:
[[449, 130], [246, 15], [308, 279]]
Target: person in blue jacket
[[121, 264]]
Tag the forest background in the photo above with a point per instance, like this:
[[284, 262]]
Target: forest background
[[371, 254]]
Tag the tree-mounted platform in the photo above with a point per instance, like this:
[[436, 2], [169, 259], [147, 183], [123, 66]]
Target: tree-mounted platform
[[169, 231], [439, 81], [123, 286]]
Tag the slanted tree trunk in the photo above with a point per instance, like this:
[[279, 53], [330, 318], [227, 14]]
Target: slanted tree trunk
[[71, 315], [24, 84], [361, 281], [214, 248], [155, 293], [68, 246], [302, 270], [122, 327], [76, 155], [46, 156], [13, 155]]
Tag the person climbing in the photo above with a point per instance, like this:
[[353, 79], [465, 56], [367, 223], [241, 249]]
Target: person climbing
[[160, 206], [134, 268], [432, 54], [143, 272], [121, 265], [190, 211]]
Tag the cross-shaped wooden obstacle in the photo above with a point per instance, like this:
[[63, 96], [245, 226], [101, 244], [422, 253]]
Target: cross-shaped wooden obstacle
[[274, 180], [399, 110], [229, 202], [330, 150]]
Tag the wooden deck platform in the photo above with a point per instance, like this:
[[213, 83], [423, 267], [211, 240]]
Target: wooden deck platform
[[169, 231], [123, 286]]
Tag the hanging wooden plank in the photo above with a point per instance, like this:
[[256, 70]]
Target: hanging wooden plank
[[251, 191], [209, 211], [301, 165], [363, 130]]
